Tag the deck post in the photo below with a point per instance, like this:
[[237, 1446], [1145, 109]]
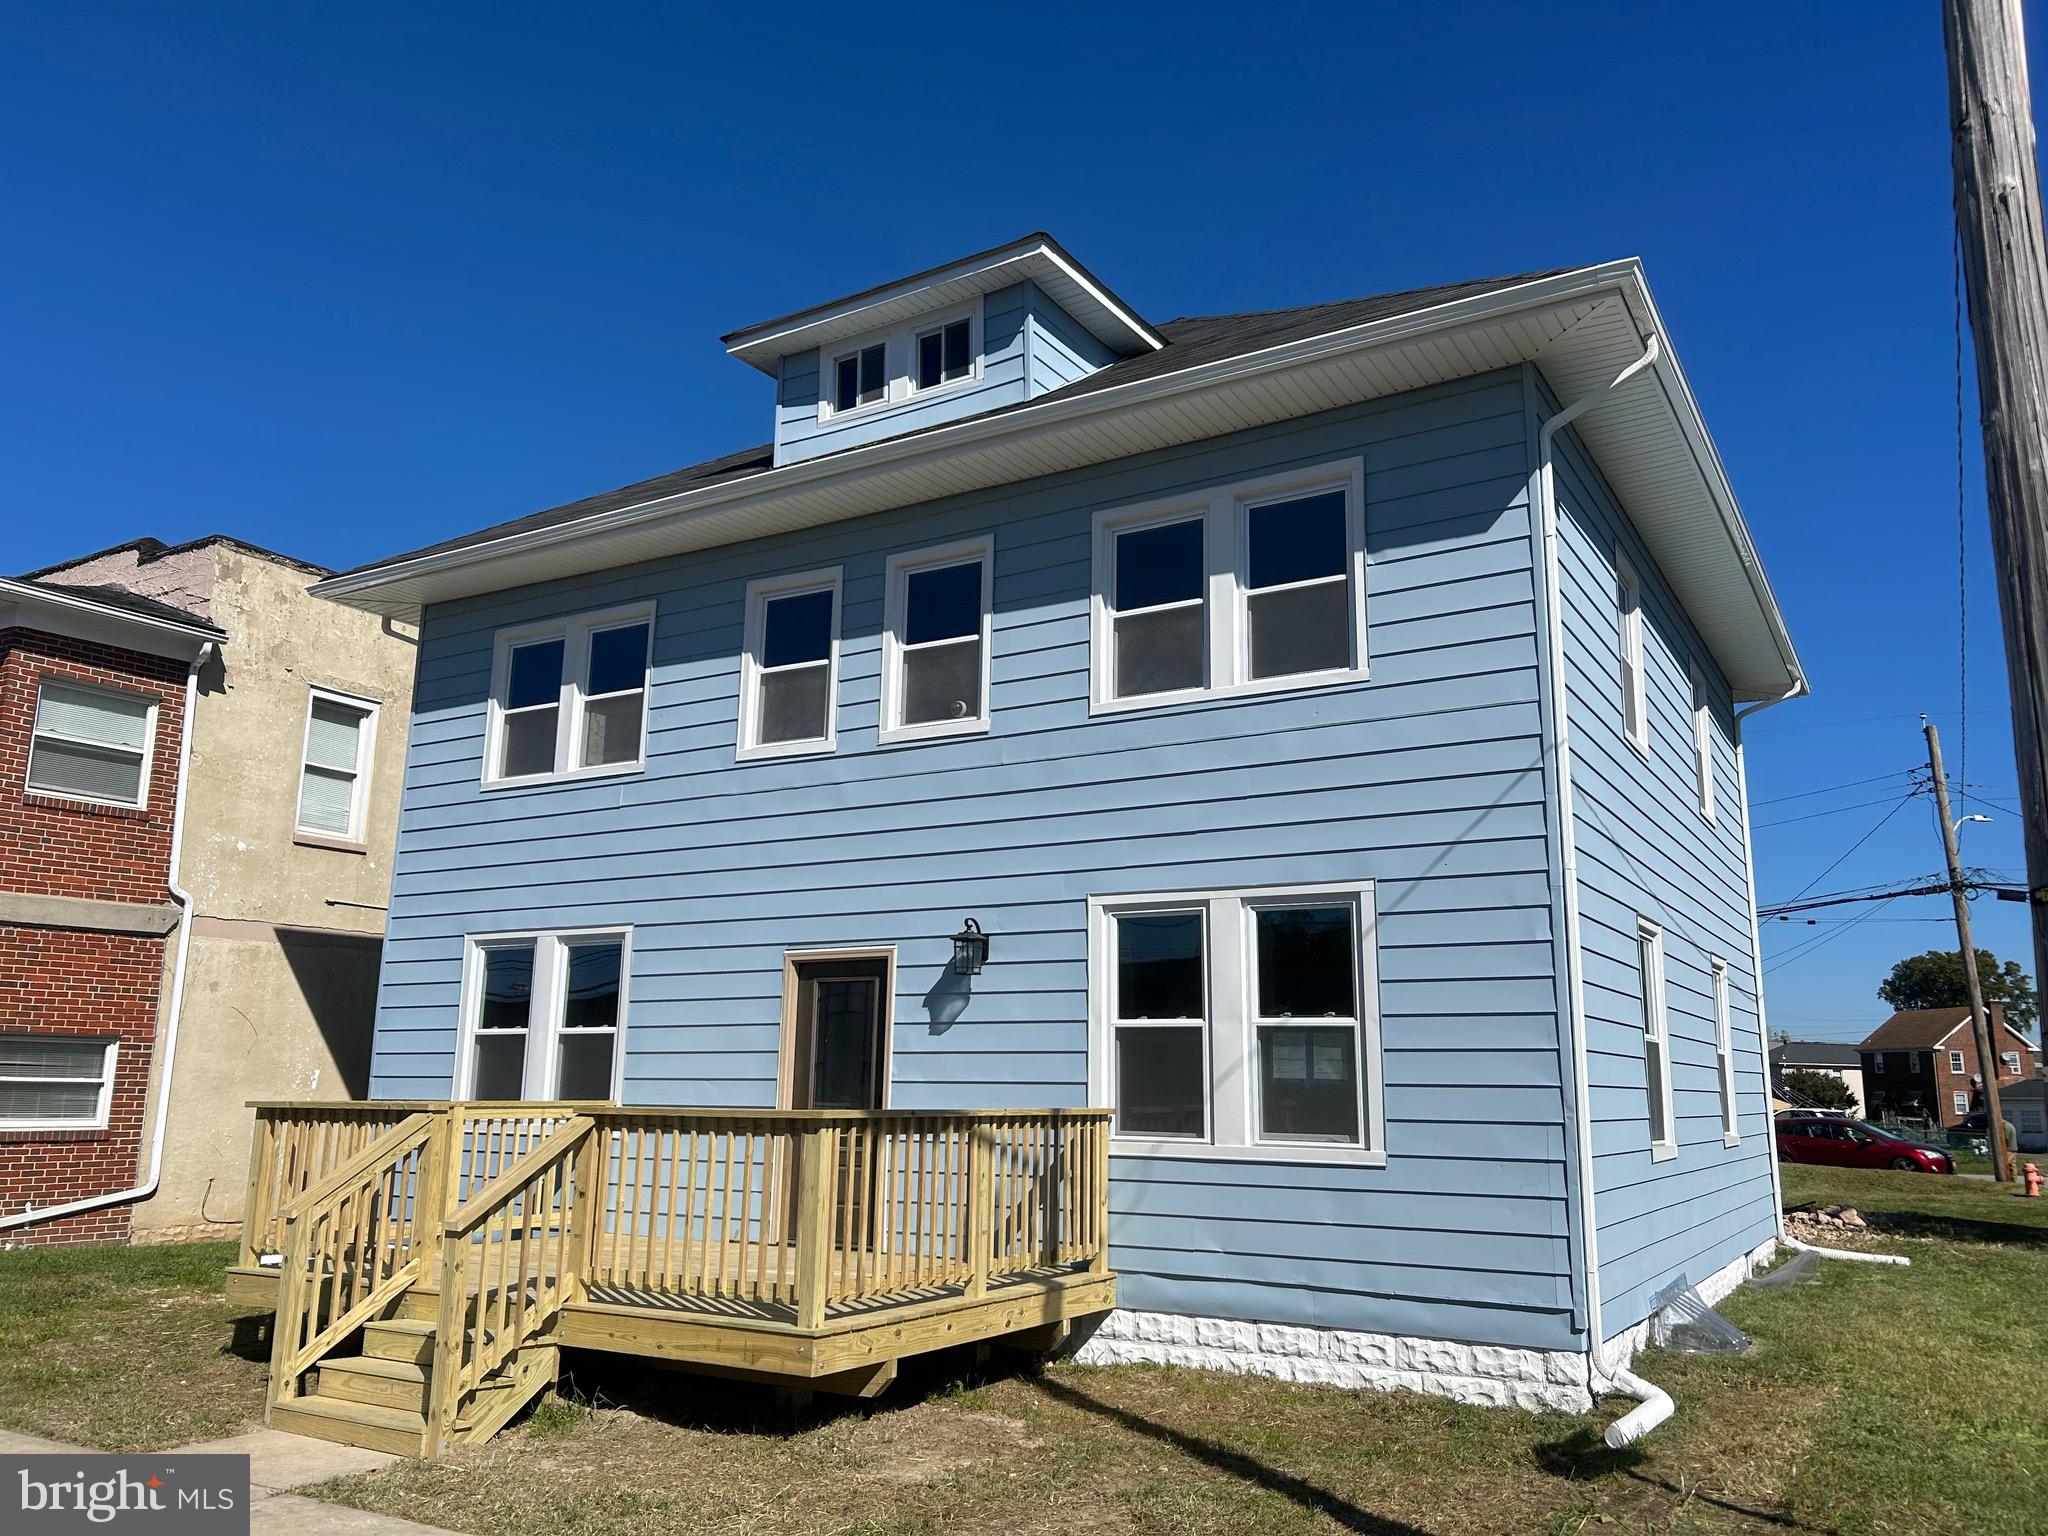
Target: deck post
[[587, 1217], [981, 1205], [814, 1167], [1098, 1193], [261, 1148], [434, 1201]]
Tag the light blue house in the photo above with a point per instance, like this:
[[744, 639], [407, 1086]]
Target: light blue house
[[1331, 717]]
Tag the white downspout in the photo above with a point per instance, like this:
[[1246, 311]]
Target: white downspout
[[1568, 846], [167, 1033]]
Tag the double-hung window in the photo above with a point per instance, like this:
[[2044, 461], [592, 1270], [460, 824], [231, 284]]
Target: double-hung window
[[1955, 1064], [945, 354], [1635, 702], [91, 743], [1656, 1037], [1239, 1023], [569, 699], [55, 1082], [334, 771], [860, 377], [2009, 1063], [1961, 1100], [1724, 1053], [1246, 588], [790, 667], [1703, 744], [543, 1015], [935, 643]]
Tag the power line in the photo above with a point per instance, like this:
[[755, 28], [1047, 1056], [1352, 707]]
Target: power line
[[1806, 794], [1786, 821], [1866, 837], [1822, 941]]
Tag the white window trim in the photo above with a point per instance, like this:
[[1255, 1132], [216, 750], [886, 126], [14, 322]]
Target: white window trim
[[759, 593], [1634, 679], [1956, 1065], [1959, 1100], [2009, 1061], [141, 800], [110, 1051], [1231, 1043], [1226, 546], [366, 743], [574, 631], [1724, 1054], [899, 571], [1703, 743], [1657, 1014], [899, 361], [550, 981]]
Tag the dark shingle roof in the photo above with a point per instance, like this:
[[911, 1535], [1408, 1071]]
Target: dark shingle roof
[[1190, 343], [147, 549], [1916, 1029], [128, 602], [1815, 1053]]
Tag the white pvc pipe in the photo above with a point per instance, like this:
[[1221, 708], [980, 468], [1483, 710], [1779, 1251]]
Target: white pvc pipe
[[168, 1033], [1656, 1407], [1844, 1253]]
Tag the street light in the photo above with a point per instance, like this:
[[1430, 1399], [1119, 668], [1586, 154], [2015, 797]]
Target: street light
[[1967, 820]]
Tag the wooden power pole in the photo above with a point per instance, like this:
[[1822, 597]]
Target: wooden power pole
[[1980, 1021], [2005, 269]]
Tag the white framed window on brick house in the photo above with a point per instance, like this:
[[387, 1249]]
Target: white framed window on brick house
[[1656, 1038], [334, 765], [1245, 588], [1956, 1066], [789, 667], [544, 1014], [1239, 1024], [938, 616], [91, 743], [2009, 1063], [1635, 700], [55, 1082], [1961, 1100], [569, 698], [1702, 744], [1724, 1052]]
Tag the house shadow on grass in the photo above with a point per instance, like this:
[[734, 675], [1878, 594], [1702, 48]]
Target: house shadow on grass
[[1952, 1229], [1584, 1457]]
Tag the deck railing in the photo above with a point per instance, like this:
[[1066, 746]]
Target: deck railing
[[793, 1215]]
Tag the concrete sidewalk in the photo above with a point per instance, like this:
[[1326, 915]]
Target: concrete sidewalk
[[278, 1463]]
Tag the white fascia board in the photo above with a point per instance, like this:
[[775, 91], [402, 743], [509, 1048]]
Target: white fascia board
[[1010, 428], [83, 618]]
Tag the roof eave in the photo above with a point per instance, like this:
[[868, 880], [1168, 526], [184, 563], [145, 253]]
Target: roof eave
[[162, 636]]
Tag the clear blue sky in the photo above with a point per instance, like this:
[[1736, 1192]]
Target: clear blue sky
[[344, 280]]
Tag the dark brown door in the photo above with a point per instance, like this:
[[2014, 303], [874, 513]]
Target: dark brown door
[[841, 1019]]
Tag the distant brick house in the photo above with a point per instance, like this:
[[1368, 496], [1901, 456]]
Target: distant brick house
[[1922, 1064], [94, 685]]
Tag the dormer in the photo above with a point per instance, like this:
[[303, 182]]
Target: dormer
[[990, 330]]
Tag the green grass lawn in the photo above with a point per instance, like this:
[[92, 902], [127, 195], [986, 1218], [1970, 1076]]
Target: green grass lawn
[[1877, 1400]]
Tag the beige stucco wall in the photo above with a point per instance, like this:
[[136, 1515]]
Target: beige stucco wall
[[281, 986]]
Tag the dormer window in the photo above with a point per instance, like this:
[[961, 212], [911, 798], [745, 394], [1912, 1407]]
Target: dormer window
[[945, 354], [860, 378]]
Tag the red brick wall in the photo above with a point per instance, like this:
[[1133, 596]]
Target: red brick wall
[[65, 981]]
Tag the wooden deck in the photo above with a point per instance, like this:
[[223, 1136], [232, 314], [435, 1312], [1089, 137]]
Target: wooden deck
[[459, 1247]]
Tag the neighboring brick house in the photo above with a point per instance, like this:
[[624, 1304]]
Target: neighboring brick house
[[1844, 1063], [1921, 1063], [94, 684], [291, 808]]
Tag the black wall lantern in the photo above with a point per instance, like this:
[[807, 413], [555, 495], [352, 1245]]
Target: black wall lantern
[[970, 949]]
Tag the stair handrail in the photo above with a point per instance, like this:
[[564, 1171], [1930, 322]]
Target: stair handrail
[[340, 1282], [560, 1183]]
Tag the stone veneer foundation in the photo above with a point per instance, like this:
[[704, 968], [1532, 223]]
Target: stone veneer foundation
[[1490, 1374]]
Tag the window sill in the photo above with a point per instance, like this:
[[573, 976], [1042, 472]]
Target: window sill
[[1299, 1154], [337, 844], [772, 751], [572, 776], [1640, 743], [934, 730], [1663, 1151], [55, 802], [1249, 689], [1731, 1138], [12, 1135]]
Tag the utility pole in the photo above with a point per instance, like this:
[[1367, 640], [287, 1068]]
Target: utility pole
[[2005, 268], [1980, 1021]]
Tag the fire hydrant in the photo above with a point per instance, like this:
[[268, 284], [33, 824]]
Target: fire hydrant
[[2033, 1182]]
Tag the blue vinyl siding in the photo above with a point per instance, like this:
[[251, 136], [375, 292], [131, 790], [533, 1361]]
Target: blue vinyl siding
[[1427, 779], [1058, 350], [1644, 849]]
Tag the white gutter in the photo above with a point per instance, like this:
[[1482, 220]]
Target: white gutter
[[167, 1033], [1568, 846], [83, 602]]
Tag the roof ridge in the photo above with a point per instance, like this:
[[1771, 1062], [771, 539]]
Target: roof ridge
[[1370, 298]]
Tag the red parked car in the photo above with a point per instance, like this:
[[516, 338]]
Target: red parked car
[[1846, 1143]]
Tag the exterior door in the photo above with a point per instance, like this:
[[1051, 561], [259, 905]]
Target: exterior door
[[841, 1034]]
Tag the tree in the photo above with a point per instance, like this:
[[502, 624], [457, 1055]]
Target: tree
[[1935, 980], [1804, 1089]]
